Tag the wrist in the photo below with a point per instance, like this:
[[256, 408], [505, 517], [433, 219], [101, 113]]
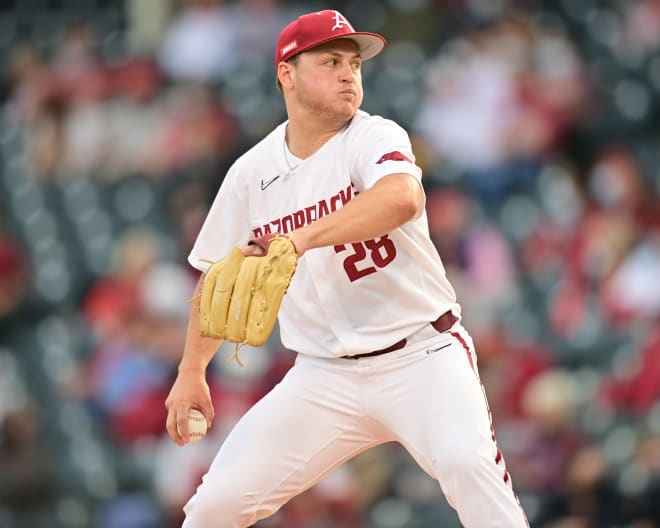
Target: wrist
[[297, 238], [187, 369]]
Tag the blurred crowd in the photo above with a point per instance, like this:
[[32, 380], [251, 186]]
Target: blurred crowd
[[536, 125]]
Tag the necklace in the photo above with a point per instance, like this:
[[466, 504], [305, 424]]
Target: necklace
[[292, 169]]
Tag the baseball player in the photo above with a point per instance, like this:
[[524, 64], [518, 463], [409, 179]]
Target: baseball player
[[382, 355]]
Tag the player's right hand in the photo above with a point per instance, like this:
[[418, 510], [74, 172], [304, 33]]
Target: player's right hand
[[190, 391]]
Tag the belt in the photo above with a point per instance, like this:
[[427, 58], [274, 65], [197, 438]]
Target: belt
[[441, 324]]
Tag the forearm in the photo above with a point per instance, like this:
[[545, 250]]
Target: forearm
[[393, 201], [198, 351]]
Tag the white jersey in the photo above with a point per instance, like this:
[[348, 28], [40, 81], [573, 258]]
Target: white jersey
[[346, 299]]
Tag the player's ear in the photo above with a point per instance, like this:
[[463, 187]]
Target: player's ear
[[286, 74]]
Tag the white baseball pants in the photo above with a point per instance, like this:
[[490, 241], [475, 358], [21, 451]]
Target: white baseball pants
[[427, 396]]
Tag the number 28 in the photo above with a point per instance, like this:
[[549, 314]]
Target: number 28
[[381, 252]]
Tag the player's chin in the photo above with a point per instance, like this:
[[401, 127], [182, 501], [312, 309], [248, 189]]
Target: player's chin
[[347, 108]]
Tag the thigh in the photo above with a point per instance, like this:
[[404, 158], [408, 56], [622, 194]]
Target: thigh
[[311, 422], [434, 403]]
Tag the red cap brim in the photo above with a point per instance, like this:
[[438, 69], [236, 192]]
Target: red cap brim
[[371, 44]]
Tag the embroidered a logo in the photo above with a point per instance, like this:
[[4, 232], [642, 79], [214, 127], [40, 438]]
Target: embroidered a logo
[[341, 22], [394, 156]]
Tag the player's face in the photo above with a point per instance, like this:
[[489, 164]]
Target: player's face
[[328, 79]]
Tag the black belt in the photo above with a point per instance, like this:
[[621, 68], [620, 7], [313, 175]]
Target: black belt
[[441, 324]]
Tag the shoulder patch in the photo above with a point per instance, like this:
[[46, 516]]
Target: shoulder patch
[[394, 156]]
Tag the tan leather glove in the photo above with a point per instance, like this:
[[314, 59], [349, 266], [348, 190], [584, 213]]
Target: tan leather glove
[[241, 295]]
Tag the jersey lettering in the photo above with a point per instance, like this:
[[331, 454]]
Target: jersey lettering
[[299, 219], [310, 214], [334, 201], [323, 208], [344, 194], [287, 224], [352, 261], [306, 215], [381, 251]]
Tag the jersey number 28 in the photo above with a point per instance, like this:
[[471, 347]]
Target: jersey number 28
[[381, 251]]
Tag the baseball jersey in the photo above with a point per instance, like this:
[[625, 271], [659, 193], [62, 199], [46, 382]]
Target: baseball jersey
[[343, 299]]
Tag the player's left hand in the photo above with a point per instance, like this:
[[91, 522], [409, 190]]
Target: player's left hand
[[242, 294]]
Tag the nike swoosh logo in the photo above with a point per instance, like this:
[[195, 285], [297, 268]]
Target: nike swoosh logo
[[429, 352], [266, 183]]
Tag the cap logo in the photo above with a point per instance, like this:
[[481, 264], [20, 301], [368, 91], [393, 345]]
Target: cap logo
[[286, 49], [341, 22]]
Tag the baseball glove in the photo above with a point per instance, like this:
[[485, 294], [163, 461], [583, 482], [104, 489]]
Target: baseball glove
[[241, 295]]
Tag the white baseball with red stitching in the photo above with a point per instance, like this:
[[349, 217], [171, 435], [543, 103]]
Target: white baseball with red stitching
[[196, 425]]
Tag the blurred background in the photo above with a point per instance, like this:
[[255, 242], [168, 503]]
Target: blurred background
[[537, 124]]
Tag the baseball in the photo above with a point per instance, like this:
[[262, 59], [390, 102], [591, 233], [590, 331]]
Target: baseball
[[196, 425]]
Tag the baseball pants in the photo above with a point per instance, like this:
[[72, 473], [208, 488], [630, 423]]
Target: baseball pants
[[426, 396]]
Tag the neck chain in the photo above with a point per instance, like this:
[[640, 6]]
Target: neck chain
[[292, 169]]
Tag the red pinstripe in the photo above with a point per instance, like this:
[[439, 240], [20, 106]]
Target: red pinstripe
[[460, 339], [498, 457]]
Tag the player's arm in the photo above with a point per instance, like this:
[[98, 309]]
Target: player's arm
[[391, 202], [190, 389]]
